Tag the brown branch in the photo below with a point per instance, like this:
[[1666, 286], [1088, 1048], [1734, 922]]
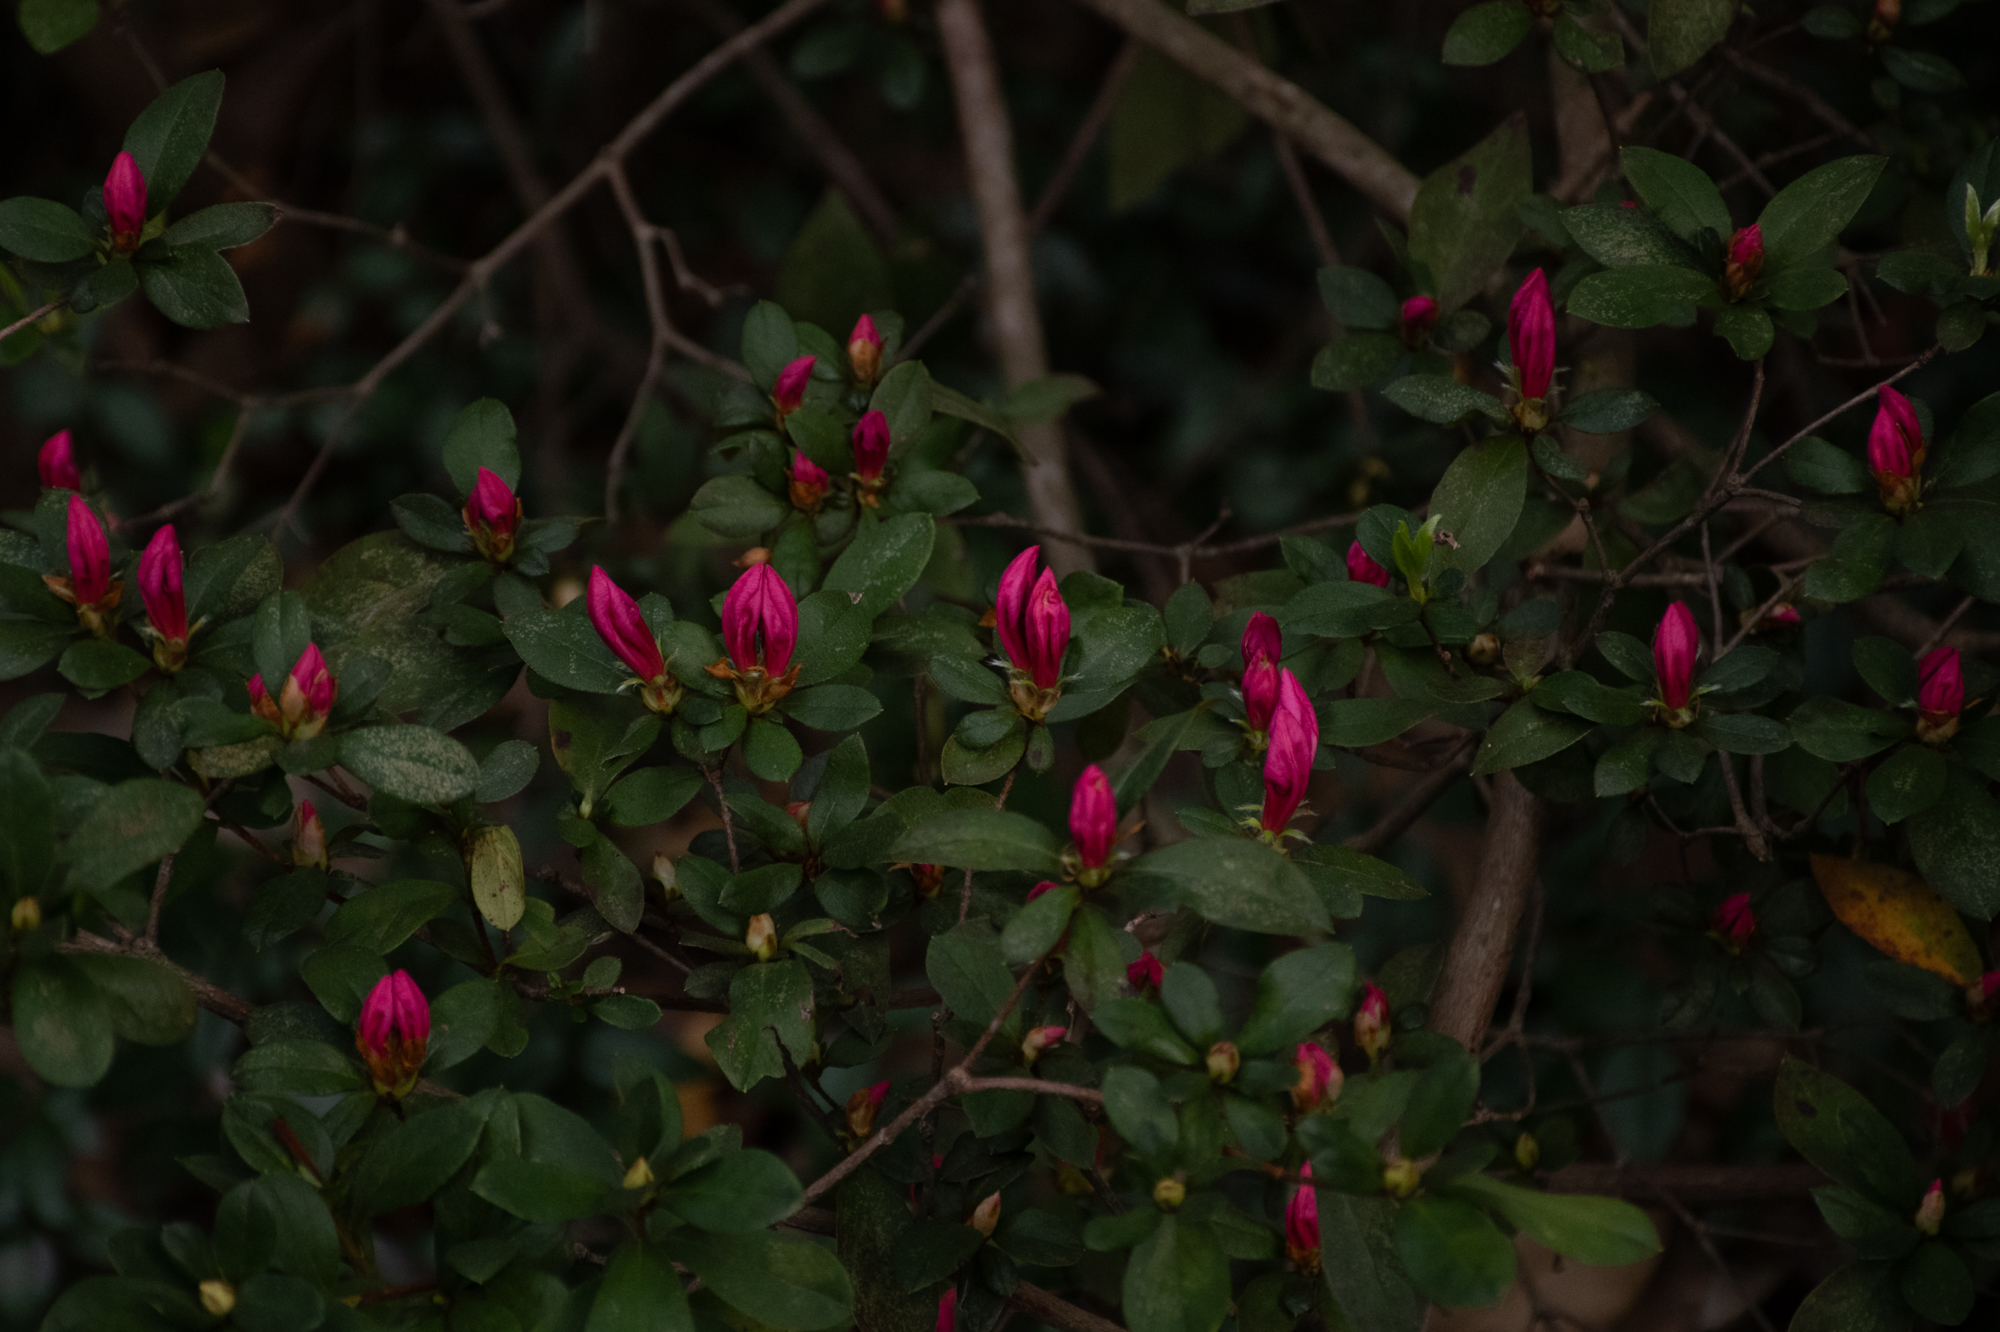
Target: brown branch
[[1805, 96], [1088, 1095], [1412, 802], [30, 318], [210, 996], [1482, 942]]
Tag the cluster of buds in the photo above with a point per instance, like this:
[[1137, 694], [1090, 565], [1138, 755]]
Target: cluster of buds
[[807, 483], [1302, 1224], [624, 630], [1361, 568], [1417, 318], [1146, 973], [56, 463], [1882, 22], [1371, 1023], [1676, 648], [308, 836], [864, 352], [1746, 261], [125, 203], [301, 707], [1032, 622], [789, 393], [1320, 1079], [491, 515], [394, 1034], [871, 455], [1531, 340], [1896, 453], [1262, 647], [760, 627], [1980, 228], [1733, 924], [1288, 758], [1940, 695], [1093, 826], [862, 1107], [1930, 1212], [167, 629], [90, 587], [1037, 1040]]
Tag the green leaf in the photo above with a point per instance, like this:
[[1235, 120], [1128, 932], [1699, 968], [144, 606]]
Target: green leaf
[[1860, 1297], [1640, 296], [28, 833], [1525, 734], [1046, 399], [979, 839], [1607, 411], [1956, 844], [1487, 33], [1479, 500], [832, 270], [104, 287], [1134, 1024], [169, 136], [50, 25], [1138, 1110], [221, 226], [768, 1002], [1873, 1230], [1239, 882], [1908, 782], [1811, 212], [1442, 400], [132, 825], [298, 1068], [195, 288], [44, 231], [1620, 237], [1177, 1280], [1682, 31], [1165, 119], [744, 1191], [1834, 1127], [96, 665], [651, 795], [1297, 995], [381, 918], [1453, 1252], [1827, 468], [1743, 733], [1678, 190], [563, 648], [148, 1001], [1806, 287], [1357, 297], [1934, 1281], [883, 561], [61, 1022], [1922, 70], [1360, 1264], [1855, 566], [783, 1282], [736, 506], [1440, 1101], [1037, 927], [1605, 1232], [1465, 218], [970, 972], [1588, 49], [1748, 330], [1359, 360], [640, 1293], [413, 763]]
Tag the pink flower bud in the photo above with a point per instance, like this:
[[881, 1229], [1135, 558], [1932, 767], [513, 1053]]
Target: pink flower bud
[[1419, 316], [621, 626], [1361, 568], [166, 605], [1262, 647], [1531, 334], [1734, 922], [1040, 889], [871, 445], [394, 1034], [300, 710], [790, 392], [1940, 695], [1746, 247], [1032, 621], [491, 515], [864, 350], [1782, 613], [1319, 1080], [1093, 818], [807, 482], [1930, 1212], [1146, 973], [1989, 984], [57, 464], [89, 555], [1039, 1039], [1371, 1022], [1288, 756], [947, 1319], [760, 621], [1676, 643], [1302, 1222], [125, 203], [1896, 451], [308, 836]]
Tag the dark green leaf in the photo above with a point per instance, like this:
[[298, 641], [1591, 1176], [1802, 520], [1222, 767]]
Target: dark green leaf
[[44, 231], [1442, 400], [1606, 1232], [1486, 33], [1177, 1280], [50, 25], [170, 135], [195, 288], [413, 763], [640, 1293], [1678, 190], [132, 825], [1465, 219], [62, 1023], [1453, 1253], [1812, 211], [1239, 882], [1640, 296]]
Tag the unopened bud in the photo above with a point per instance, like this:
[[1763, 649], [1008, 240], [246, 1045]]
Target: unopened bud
[[1484, 649], [663, 871], [1401, 1177], [27, 915], [762, 937], [640, 1175], [1930, 1212], [218, 1297], [1039, 1039], [1169, 1193], [1527, 1152], [1371, 1022], [861, 1108], [1071, 1180], [1223, 1061], [986, 1216]]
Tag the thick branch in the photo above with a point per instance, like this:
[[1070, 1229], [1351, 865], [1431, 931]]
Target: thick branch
[[1482, 944]]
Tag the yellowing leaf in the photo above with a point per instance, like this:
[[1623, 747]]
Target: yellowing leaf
[[1899, 914]]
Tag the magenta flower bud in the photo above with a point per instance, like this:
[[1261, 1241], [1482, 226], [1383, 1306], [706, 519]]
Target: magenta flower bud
[[302, 705], [1146, 973], [1037, 1040], [947, 1319], [1319, 1078], [491, 515], [1371, 1022], [1262, 647], [760, 622], [125, 203], [1733, 922], [308, 836], [1418, 317], [864, 350], [1531, 335], [871, 446], [1361, 568], [166, 605], [1302, 1223], [790, 392], [1746, 261], [624, 630], [1093, 820], [89, 555], [1288, 755], [1940, 695], [57, 464], [1676, 643], [394, 1034], [1896, 452], [807, 482], [1783, 613], [1032, 621]]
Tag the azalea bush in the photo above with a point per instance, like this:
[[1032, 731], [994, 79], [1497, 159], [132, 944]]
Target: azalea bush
[[763, 845]]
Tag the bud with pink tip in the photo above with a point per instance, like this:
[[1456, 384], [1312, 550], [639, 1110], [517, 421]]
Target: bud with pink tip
[[986, 1216], [1896, 452], [308, 836], [1262, 647], [56, 464], [1416, 320], [1093, 823], [1676, 645], [1288, 758], [760, 627], [1733, 922], [789, 393], [125, 203], [1032, 622], [301, 707], [1531, 337], [491, 515], [1361, 567], [1039, 1039], [1302, 1224], [864, 351], [1746, 261], [1371, 1022], [807, 483], [622, 626], [862, 1107], [89, 586], [1930, 1212], [761, 937], [394, 1034], [1940, 695], [1146, 973], [947, 1319], [871, 454], [1319, 1080], [166, 605]]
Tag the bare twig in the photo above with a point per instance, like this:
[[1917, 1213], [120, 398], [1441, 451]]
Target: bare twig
[[30, 318]]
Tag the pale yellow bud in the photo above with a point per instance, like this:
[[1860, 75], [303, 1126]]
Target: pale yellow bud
[[762, 937], [218, 1297], [986, 1216], [640, 1175], [1169, 1193], [1527, 1152], [663, 870], [1402, 1176], [27, 915]]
